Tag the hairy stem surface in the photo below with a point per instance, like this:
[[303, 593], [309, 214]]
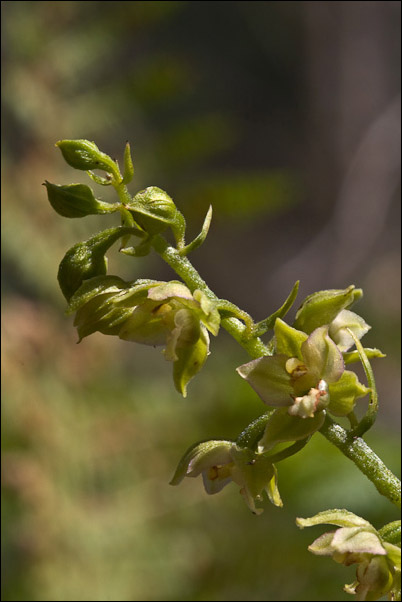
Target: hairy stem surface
[[352, 447]]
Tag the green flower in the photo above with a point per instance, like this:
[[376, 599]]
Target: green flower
[[220, 462], [306, 374], [357, 542], [151, 313]]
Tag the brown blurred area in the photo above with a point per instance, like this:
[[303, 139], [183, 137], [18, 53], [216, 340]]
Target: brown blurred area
[[285, 116]]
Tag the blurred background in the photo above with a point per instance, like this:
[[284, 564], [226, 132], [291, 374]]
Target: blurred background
[[285, 117]]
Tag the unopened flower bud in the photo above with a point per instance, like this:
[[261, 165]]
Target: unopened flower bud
[[154, 210], [85, 155]]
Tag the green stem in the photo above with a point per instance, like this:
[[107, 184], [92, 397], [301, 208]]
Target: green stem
[[351, 446], [183, 268], [123, 192], [357, 450]]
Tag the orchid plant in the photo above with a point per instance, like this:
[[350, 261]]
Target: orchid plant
[[300, 373]]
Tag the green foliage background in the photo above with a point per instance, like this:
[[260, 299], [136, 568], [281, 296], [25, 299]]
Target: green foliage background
[[237, 104]]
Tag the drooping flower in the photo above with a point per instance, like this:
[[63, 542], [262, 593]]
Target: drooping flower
[[358, 542], [151, 313], [220, 462]]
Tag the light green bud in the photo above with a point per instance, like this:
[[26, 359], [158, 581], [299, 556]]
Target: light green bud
[[76, 200], [321, 308], [85, 155], [155, 211], [87, 259]]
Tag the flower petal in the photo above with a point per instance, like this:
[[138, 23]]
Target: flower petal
[[167, 290], [338, 329], [322, 357], [269, 378]]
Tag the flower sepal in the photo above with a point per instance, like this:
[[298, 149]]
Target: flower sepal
[[288, 340], [344, 393], [322, 307], [220, 462]]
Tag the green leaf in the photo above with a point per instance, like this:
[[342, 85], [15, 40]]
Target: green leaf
[[262, 327], [321, 308], [198, 240], [282, 427], [76, 200], [87, 259], [128, 165], [85, 155]]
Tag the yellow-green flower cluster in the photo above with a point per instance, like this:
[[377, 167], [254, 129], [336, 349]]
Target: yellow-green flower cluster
[[151, 313]]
